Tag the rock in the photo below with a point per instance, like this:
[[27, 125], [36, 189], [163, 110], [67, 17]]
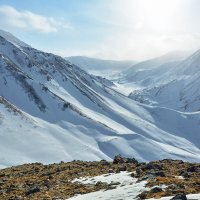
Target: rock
[[185, 175], [133, 175], [132, 160], [179, 197], [2, 175], [114, 183], [156, 173], [99, 183], [121, 168], [145, 177], [151, 175], [104, 162], [33, 190], [56, 198], [46, 174], [110, 171], [152, 166], [138, 171], [119, 159], [46, 183], [156, 190], [19, 198], [143, 195], [192, 169], [111, 187]]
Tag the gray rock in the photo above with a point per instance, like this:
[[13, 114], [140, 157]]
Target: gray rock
[[121, 168], [33, 190], [179, 197]]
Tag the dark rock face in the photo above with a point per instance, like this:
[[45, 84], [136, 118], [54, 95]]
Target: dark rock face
[[152, 166], [33, 190], [192, 169], [143, 195], [179, 197], [156, 173], [156, 190], [132, 160], [121, 168], [185, 174], [120, 159], [151, 175], [104, 162]]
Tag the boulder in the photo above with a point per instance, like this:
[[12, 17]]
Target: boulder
[[120, 159], [185, 174], [151, 165], [156, 190], [192, 169], [121, 168], [179, 197], [33, 190], [156, 173]]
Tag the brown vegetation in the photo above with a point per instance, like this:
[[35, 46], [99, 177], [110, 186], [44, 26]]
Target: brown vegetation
[[48, 182]]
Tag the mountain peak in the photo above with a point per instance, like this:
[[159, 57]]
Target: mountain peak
[[11, 38]]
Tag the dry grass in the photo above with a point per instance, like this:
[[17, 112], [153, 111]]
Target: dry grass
[[51, 182]]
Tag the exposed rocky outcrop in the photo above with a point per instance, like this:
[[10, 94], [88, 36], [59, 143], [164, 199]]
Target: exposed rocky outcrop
[[38, 181]]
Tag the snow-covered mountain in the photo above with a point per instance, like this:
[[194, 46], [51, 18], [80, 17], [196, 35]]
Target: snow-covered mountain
[[51, 110], [175, 87], [99, 66], [146, 71], [9, 37]]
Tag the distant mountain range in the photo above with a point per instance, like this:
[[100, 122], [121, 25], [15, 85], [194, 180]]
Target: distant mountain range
[[171, 82], [99, 66]]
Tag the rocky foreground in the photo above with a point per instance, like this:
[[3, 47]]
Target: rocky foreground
[[55, 181]]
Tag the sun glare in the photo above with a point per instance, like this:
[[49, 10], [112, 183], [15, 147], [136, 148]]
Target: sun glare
[[157, 14]]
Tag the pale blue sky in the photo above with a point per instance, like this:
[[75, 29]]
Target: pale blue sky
[[110, 29]]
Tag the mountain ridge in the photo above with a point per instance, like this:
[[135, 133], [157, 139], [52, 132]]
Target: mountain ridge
[[64, 112], [100, 67], [179, 90]]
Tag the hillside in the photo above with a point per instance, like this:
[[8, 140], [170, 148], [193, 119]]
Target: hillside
[[51, 110], [176, 87], [139, 71]]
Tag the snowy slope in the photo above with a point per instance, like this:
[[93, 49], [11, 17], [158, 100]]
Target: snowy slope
[[8, 36], [177, 88], [127, 188], [166, 61], [51, 110], [148, 74]]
